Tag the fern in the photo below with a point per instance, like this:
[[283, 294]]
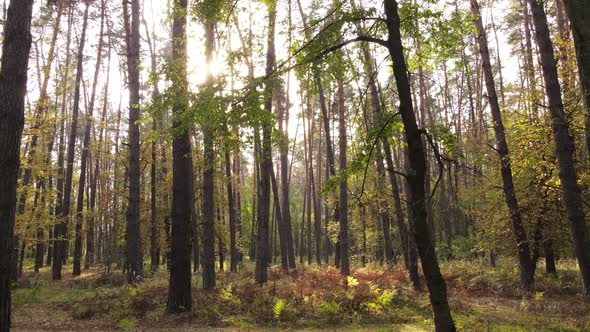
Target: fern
[[278, 308], [352, 281]]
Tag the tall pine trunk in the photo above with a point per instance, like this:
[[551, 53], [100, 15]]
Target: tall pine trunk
[[564, 146], [156, 124], [13, 88], [579, 15], [343, 195], [179, 290], [285, 227], [262, 236], [233, 263], [208, 178], [133, 252], [60, 231], [84, 167], [59, 228]]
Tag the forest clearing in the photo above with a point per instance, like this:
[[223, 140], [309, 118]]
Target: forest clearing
[[411, 165]]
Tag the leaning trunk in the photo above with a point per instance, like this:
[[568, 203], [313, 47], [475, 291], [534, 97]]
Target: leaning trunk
[[417, 164], [524, 256]]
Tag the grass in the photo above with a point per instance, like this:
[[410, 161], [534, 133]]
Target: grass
[[373, 298]]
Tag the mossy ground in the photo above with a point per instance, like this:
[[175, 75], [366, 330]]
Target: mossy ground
[[309, 298]]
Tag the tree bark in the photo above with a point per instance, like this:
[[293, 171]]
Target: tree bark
[[179, 290], [13, 88], [343, 195], [59, 228], [415, 178], [285, 226], [579, 16], [524, 255], [154, 229], [90, 245], [134, 256], [564, 146], [208, 179], [262, 238], [84, 169], [60, 231], [232, 214]]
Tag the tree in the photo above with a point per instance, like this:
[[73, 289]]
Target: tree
[[343, 195], [579, 14], [285, 228], [417, 165], [524, 256], [134, 257], [326, 123], [156, 123], [179, 290], [13, 88], [262, 235], [564, 146], [64, 206], [209, 164], [84, 167]]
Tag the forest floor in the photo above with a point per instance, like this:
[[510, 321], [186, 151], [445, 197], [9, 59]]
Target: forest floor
[[309, 298]]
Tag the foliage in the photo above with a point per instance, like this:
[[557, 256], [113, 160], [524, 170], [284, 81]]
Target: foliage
[[320, 298]]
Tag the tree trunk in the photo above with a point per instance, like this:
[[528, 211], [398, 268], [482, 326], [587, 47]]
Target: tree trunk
[[564, 146], [134, 257], [343, 196], [232, 214], [417, 164], [84, 157], [376, 110], [13, 88], [524, 255], [325, 120], [279, 218], [408, 245], [262, 245], [40, 115], [220, 249], [208, 179], [90, 245], [237, 167], [154, 230], [285, 226], [61, 228], [530, 66], [179, 290], [579, 15], [255, 193]]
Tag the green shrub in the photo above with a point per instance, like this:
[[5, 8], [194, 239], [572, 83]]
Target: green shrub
[[140, 302], [83, 312], [127, 324], [329, 310]]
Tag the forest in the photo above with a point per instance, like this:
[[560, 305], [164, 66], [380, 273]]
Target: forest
[[379, 165]]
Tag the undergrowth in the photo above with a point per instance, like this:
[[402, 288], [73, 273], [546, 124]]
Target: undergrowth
[[482, 298]]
